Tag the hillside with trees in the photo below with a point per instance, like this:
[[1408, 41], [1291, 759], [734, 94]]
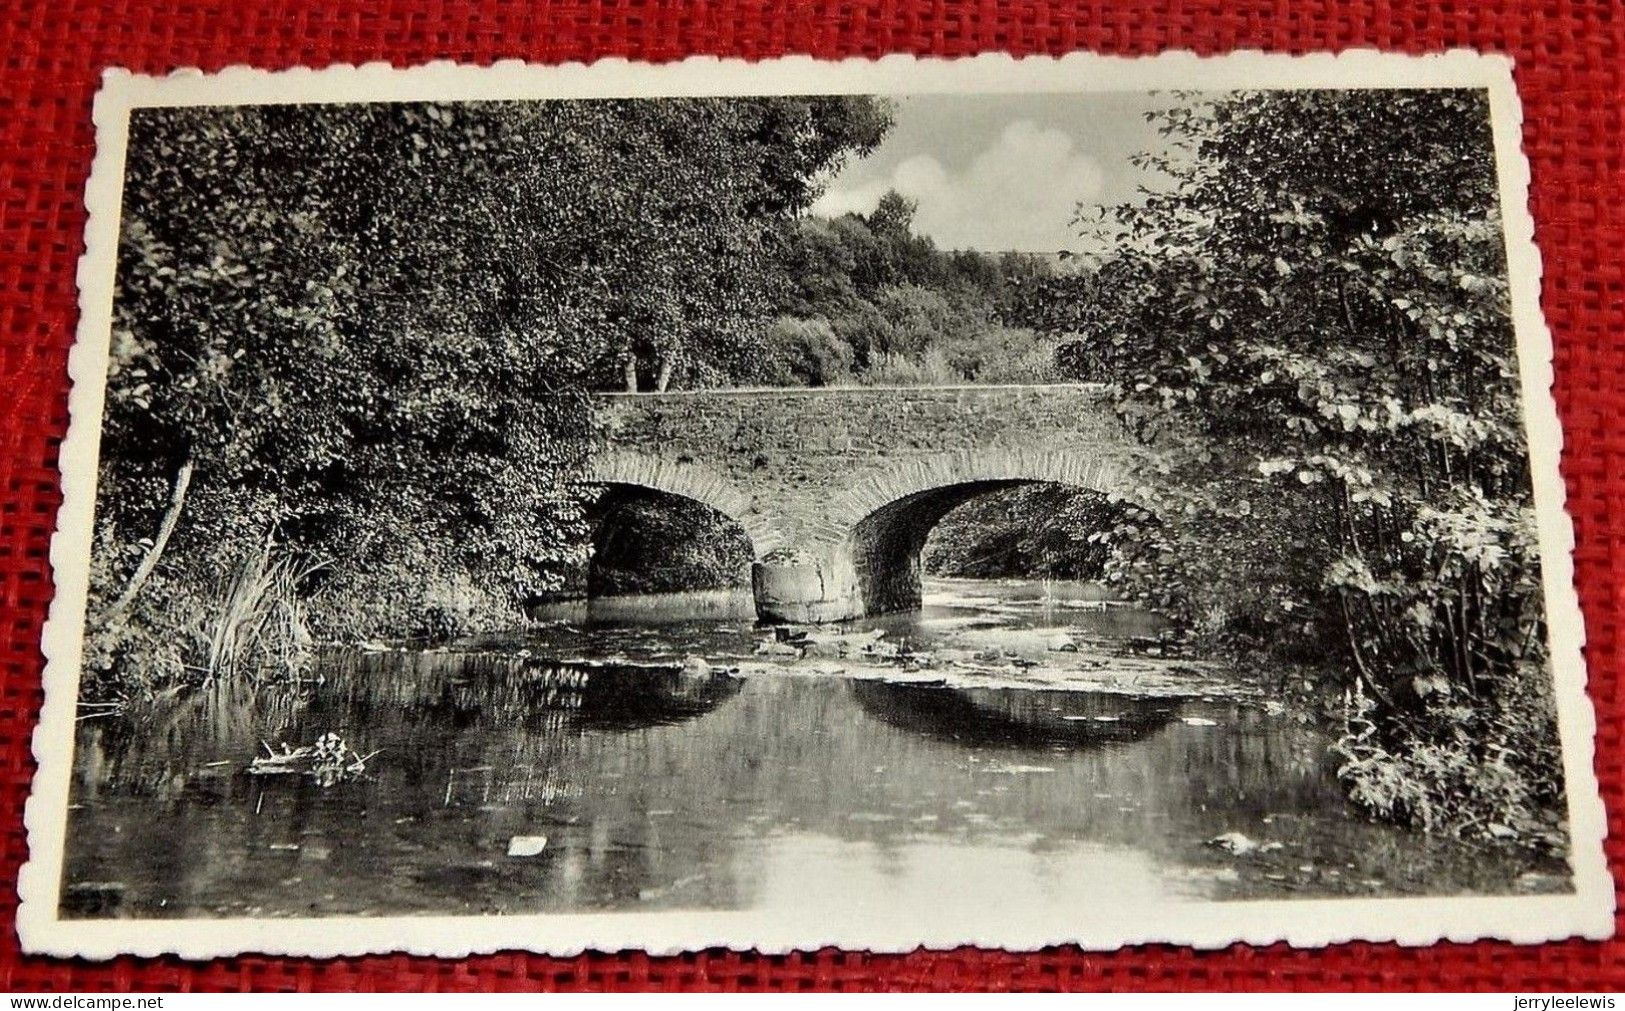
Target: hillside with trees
[[872, 302]]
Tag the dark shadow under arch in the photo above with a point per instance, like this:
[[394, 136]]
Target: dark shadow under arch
[[886, 546], [688, 479], [649, 541]]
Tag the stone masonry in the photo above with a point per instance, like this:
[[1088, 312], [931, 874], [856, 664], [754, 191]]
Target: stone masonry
[[839, 488]]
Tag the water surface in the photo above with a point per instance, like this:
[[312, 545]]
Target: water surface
[[1024, 745]]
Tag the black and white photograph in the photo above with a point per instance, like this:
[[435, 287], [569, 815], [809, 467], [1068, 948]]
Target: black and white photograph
[[882, 504]]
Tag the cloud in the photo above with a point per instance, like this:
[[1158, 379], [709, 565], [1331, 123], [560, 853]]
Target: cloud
[[1020, 193]]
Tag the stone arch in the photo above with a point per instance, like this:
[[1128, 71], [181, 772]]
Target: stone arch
[[864, 557], [692, 481], [920, 478]]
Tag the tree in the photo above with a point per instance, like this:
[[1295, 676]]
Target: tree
[[711, 189], [893, 218], [361, 333], [1311, 326], [806, 352]]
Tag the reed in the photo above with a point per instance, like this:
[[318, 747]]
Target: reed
[[257, 628]]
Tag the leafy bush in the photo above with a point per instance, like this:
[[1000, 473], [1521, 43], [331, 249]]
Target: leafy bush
[[1044, 530], [1492, 774], [806, 352]]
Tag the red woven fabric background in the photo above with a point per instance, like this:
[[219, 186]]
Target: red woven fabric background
[[1571, 71]]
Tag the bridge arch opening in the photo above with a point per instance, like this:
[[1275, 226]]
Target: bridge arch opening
[[649, 541], [889, 546], [871, 561], [1039, 530]]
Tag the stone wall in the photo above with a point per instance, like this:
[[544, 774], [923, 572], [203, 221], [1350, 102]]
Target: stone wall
[[849, 481]]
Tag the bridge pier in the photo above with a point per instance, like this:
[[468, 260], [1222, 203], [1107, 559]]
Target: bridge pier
[[807, 589], [864, 576], [875, 570]]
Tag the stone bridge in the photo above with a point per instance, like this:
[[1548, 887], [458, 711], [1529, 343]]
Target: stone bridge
[[838, 488]]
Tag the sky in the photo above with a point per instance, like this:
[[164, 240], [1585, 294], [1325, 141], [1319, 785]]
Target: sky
[[998, 172]]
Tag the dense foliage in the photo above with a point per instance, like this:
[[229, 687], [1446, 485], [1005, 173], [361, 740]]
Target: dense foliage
[[350, 342], [1045, 530], [648, 542], [875, 303], [1311, 327]]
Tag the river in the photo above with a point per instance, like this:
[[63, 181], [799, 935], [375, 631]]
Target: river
[[1012, 742]]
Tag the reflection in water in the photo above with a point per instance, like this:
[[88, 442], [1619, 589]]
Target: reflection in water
[[659, 789], [1014, 718], [549, 694], [627, 697], [473, 749]]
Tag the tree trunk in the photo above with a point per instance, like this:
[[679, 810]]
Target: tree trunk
[[166, 527], [629, 369], [663, 380]]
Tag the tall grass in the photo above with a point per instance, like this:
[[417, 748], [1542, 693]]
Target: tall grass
[[256, 628]]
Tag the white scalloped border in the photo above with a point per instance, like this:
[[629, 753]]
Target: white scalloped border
[[1589, 912]]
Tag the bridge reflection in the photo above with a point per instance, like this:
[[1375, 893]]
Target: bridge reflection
[[692, 811], [384, 693], [583, 695], [1014, 719], [631, 697]]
